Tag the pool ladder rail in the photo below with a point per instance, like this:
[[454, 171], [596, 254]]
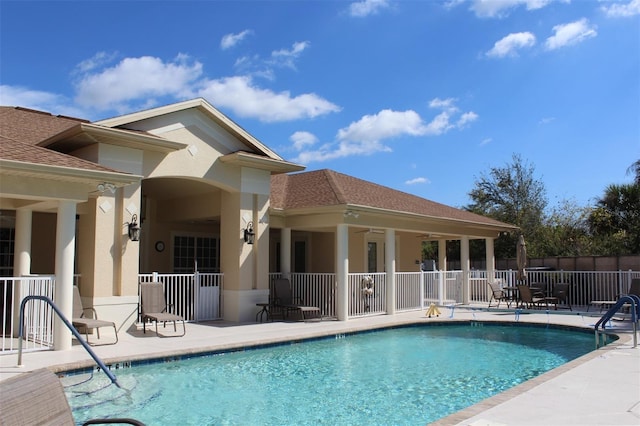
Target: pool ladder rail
[[66, 322], [631, 299]]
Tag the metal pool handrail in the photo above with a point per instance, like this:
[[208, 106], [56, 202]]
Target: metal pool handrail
[[635, 307], [66, 322]]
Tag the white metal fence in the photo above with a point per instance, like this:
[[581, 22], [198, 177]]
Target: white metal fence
[[38, 323], [198, 297]]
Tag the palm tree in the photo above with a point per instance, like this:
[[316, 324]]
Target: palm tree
[[635, 169]]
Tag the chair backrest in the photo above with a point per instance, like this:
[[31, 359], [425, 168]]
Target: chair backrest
[[635, 287], [495, 288], [152, 298], [34, 398], [78, 309], [282, 291], [525, 294], [561, 291]]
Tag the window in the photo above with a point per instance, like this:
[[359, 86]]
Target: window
[[7, 244], [191, 252], [372, 257]]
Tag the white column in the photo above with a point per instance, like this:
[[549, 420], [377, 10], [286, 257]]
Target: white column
[[442, 255], [285, 252], [490, 260], [466, 265], [65, 253], [390, 267], [442, 266], [342, 272], [22, 248]]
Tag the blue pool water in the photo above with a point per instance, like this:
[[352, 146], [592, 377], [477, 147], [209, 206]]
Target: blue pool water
[[402, 376]]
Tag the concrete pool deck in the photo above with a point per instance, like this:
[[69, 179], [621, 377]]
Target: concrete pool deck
[[599, 388]]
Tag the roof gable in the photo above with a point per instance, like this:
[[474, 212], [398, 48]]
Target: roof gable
[[203, 106]]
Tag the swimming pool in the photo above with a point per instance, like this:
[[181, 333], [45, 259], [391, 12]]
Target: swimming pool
[[409, 375]]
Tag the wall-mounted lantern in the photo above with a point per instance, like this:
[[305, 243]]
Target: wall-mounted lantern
[[249, 235]]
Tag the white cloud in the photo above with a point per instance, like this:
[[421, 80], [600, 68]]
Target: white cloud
[[302, 140], [383, 125], [509, 45], [98, 60], [618, 10], [286, 58], [230, 40], [143, 82], [245, 99], [344, 149], [367, 7], [136, 78], [485, 141], [366, 136], [38, 100], [502, 8], [546, 120], [571, 33], [417, 180], [466, 118]]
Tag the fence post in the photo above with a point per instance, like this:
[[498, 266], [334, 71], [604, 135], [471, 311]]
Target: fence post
[[196, 295], [422, 284], [441, 279]]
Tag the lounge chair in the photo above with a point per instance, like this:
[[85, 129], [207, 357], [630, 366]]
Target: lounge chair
[[498, 294], [154, 308], [634, 289], [531, 298], [80, 321], [284, 301], [38, 398]]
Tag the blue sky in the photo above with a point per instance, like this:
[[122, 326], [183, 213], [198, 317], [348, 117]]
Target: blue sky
[[419, 96]]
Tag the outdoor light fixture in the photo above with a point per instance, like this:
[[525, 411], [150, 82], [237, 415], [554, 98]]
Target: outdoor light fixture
[[106, 186], [249, 235], [134, 228]]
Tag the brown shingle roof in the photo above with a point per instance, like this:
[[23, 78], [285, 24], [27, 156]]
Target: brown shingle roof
[[22, 129], [323, 188], [31, 126], [27, 153]]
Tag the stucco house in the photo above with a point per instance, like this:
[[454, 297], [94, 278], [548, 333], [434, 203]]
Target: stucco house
[[207, 196]]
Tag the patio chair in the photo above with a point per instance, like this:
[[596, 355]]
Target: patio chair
[[498, 294], [560, 294], [634, 288], [38, 398], [79, 321], [284, 301], [531, 298], [154, 308]]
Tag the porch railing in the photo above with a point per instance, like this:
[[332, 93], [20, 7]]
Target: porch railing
[[195, 297]]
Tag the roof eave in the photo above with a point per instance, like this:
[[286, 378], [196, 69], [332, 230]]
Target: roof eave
[[245, 159], [118, 137], [33, 169]]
